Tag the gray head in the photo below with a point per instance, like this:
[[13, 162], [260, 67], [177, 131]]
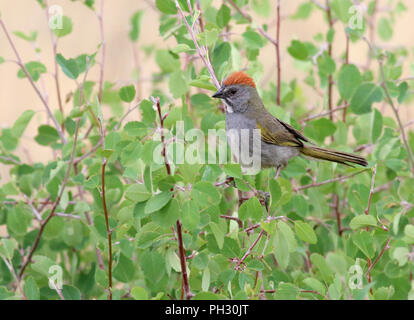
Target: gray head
[[237, 91]]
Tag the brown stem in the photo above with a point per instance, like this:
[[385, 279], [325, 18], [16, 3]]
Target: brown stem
[[186, 286], [185, 291], [386, 247], [56, 203], [335, 201], [108, 230], [164, 147], [277, 46], [249, 251]]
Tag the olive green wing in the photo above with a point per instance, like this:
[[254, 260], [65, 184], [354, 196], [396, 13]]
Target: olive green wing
[[277, 132]]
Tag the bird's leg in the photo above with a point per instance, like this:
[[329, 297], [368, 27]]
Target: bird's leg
[[277, 172]]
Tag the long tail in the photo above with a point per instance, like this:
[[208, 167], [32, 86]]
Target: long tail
[[332, 155]]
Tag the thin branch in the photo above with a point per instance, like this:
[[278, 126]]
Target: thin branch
[[239, 222], [323, 114], [249, 251], [341, 179], [184, 281], [371, 192], [248, 18], [386, 247], [42, 98], [103, 53], [277, 46], [186, 285], [157, 104], [56, 72], [199, 51], [130, 109], [330, 78], [105, 208], [9, 265], [397, 116]]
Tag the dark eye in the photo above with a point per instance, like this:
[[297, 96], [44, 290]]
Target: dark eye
[[232, 91]]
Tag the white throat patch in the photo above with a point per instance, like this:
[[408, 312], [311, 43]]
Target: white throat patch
[[228, 108]]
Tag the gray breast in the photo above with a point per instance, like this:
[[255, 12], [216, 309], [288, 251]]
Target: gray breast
[[240, 133]]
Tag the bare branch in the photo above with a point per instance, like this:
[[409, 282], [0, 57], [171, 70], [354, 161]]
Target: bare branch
[[42, 98]]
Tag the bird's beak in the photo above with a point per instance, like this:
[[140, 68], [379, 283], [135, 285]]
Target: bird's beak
[[219, 94]]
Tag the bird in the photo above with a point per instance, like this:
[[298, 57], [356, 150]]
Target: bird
[[278, 141]]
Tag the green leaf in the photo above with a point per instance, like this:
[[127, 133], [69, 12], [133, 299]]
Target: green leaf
[[281, 250], [223, 18], [298, 50], [136, 25], [65, 29], [315, 285], [288, 235], [376, 125], [69, 67], [46, 135], [365, 242], [127, 93], [385, 30], [320, 129], [32, 37], [205, 281], [157, 202], [341, 9], [178, 84], [303, 11], [253, 40], [71, 293], [7, 247], [31, 290], [137, 192], [233, 170], [207, 296], [124, 270], [166, 61], [286, 291], [18, 220], [362, 221], [251, 209], [21, 123], [365, 95], [261, 7], [326, 65], [305, 232], [166, 6], [218, 233], [189, 215], [348, 80], [275, 194], [34, 68], [150, 263], [139, 293], [42, 264]]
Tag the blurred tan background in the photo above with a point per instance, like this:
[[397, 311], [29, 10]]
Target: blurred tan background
[[16, 95]]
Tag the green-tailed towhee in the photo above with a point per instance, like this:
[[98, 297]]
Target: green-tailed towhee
[[279, 142]]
